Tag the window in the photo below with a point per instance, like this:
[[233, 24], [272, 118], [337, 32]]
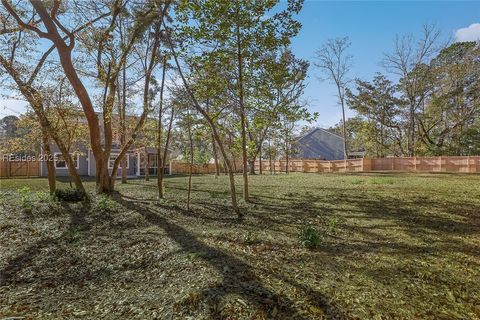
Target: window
[[112, 158], [60, 162], [152, 160]]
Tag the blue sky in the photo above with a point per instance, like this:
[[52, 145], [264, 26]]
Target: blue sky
[[371, 26]]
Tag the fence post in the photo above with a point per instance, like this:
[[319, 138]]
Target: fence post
[[393, 163], [415, 164], [468, 163], [28, 169], [440, 163]]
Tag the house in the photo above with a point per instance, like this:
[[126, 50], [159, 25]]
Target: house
[[319, 144], [85, 162]]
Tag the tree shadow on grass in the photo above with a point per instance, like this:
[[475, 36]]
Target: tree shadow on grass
[[77, 223], [238, 276], [438, 226]]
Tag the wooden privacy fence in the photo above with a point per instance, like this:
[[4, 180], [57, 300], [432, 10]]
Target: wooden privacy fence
[[180, 167], [413, 164], [15, 169]]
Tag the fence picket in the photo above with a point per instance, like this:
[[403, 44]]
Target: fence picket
[[413, 164]]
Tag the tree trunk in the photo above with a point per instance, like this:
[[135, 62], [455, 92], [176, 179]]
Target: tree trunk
[[287, 152], [160, 175], [342, 102], [225, 171], [105, 182], [162, 158], [123, 129], [50, 163], [146, 166], [167, 143], [270, 159], [215, 158], [251, 163], [287, 164], [260, 161], [412, 131], [190, 138], [242, 112]]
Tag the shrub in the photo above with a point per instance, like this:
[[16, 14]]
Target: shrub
[[26, 200], [43, 196], [69, 195], [309, 236], [248, 237], [332, 224], [104, 203]]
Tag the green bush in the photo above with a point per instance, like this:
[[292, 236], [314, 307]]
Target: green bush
[[69, 195], [309, 237], [105, 203], [26, 199], [43, 197]]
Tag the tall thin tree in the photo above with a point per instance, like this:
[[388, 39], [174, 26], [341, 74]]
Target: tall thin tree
[[335, 63]]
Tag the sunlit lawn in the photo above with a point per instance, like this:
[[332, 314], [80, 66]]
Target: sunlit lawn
[[392, 246]]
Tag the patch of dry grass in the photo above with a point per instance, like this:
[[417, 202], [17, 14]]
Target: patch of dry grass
[[392, 246]]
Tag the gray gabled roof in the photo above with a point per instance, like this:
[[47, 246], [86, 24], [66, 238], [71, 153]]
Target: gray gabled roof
[[320, 144]]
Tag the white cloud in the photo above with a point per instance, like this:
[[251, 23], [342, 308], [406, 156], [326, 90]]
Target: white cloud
[[12, 107], [470, 33]]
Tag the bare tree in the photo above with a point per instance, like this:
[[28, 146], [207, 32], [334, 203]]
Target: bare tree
[[335, 64], [410, 61]]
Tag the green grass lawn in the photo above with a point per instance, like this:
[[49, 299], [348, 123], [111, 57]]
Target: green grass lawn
[[392, 246]]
